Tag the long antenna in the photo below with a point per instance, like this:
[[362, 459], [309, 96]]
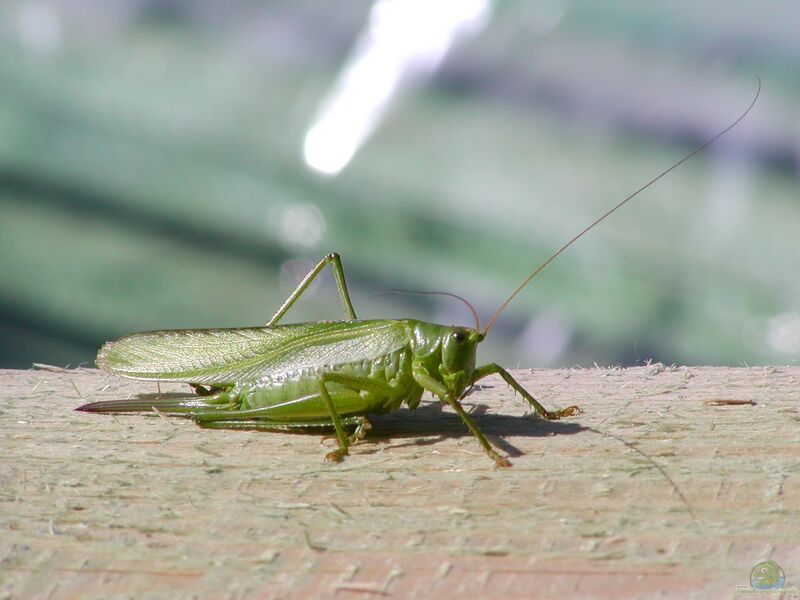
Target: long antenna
[[448, 294], [618, 206]]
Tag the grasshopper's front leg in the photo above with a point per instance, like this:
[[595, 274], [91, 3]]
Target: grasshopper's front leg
[[540, 410], [424, 378], [335, 262]]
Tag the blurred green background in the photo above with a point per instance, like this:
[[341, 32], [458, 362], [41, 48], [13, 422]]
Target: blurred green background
[[156, 171]]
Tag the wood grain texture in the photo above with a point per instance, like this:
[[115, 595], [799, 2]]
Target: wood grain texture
[[137, 506]]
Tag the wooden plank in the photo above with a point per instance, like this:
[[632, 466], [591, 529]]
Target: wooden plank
[[654, 490]]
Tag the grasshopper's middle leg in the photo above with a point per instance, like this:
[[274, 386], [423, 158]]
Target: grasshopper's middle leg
[[335, 262], [357, 384], [540, 410]]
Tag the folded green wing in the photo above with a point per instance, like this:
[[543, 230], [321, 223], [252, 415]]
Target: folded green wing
[[224, 356]]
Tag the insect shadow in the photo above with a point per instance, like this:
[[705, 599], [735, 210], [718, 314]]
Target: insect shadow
[[430, 424], [429, 421]]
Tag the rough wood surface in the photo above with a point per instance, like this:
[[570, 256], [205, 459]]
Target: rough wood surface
[[142, 506]]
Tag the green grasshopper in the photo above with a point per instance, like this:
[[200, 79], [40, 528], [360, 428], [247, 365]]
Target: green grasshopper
[[325, 374]]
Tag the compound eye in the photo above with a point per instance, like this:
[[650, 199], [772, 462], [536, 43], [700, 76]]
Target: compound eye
[[459, 336]]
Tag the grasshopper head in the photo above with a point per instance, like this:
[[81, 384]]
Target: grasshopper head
[[459, 346]]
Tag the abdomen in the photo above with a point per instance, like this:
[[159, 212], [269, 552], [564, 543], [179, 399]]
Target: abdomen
[[294, 395]]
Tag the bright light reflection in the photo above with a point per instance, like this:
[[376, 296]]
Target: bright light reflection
[[39, 26], [545, 338], [302, 226], [783, 333], [405, 41]]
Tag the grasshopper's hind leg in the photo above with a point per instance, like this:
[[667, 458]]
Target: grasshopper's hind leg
[[361, 431], [264, 425], [268, 418], [202, 390], [540, 410], [335, 262]]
